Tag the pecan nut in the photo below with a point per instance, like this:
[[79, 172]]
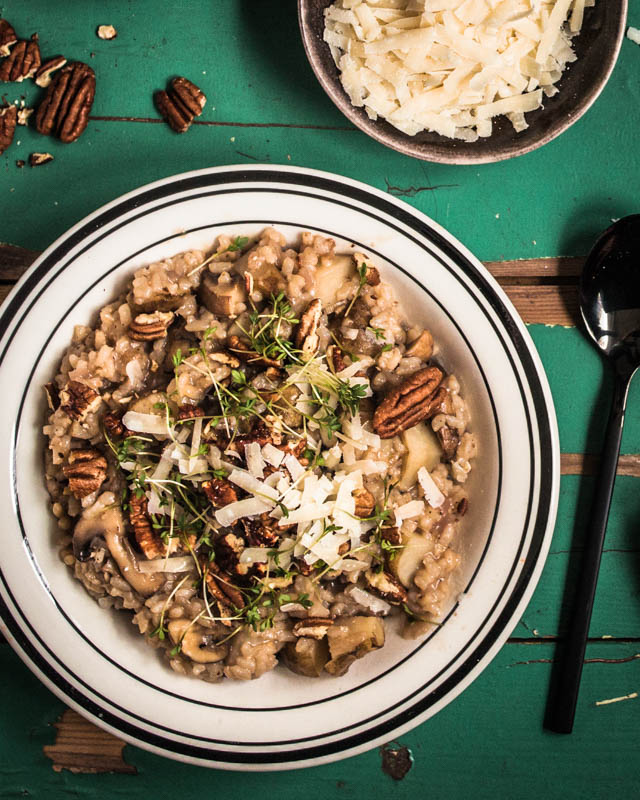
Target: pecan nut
[[245, 353], [180, 104], [38, 159], [78, 400], [53, 396], [312, 627], [262, 531], [189, 411], [307, 339], [365, 503], [22, 62], [147, 327], [227, 549], [64, 112], [8, 119], [148, 540], [86, 472], [335, 356], [7, 37], [372, 275], [387, 587], [113, 425], [216, 577], [219, 492], [449, 441], [415, 399], [43, 75]]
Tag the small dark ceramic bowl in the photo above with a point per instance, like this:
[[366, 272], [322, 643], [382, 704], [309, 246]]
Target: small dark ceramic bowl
[[597, 47]]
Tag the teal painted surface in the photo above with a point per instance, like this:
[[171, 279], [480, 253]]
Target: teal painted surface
[[247, 57], [549, 202], [488, 744]]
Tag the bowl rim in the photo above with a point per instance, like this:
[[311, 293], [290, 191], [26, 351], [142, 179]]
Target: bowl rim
[[402, 143], [306, 177]]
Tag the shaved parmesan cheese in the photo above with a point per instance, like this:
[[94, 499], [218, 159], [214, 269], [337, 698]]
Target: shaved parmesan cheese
[[409, 510], [145, 423], [432, 494], [272, 455], [370, 601], [254, 555], [177, 564], [450, 66], [296, 470], [253, 485], [249, 507], [255, 461], [634, 35]]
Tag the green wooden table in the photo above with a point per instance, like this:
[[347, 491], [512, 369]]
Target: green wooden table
[[264, 105]]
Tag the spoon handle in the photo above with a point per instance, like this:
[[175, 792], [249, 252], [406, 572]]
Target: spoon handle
[[562, 702]]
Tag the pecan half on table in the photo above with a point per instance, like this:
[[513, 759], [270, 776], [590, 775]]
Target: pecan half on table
[[8, 119], [7, 37], [415, 399], [180, 104], [64, 112], [22, 62]]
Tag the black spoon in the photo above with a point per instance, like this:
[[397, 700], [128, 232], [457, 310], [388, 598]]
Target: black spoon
[[610, 306]]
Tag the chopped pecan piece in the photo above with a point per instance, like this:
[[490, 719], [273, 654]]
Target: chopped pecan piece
[[387, 587], [148, 540], [262, 531], [86, 472], [189, 411], [112, 423], [416, 398], [303, 568], [449, 441], [422, 347], [219, 492], [107, 32], [307, 339], [372, 275], [180, 104], [64, 111], [43, 75], [37, 159], [245, 353], [223, 583], [344, 548], [7, 37], [365, 503], [78, 400], [8, 119], [147, 327], [313, 627], [462, 507], [53, 396], [335, 357], [227, 549], [23, 115], [22, 62]]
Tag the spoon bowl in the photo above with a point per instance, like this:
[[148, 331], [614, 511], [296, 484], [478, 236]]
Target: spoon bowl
[[610, 292]]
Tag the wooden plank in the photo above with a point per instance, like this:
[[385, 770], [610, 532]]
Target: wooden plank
[[15, 260], [587, 464], [545, 305], [82, 747], [536, 267], [4, 291]]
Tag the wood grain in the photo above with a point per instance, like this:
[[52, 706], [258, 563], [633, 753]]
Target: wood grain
[[80, 746], [537, 267], [587, 464]]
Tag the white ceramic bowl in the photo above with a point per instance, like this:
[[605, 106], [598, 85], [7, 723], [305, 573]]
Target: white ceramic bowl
[[93, 659]]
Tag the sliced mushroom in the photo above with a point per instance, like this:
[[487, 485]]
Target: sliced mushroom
[[108, 526], [195, 642]]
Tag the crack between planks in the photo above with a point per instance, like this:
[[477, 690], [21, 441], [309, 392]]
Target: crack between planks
[[625, 660], [412, 191], [221, 124]]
